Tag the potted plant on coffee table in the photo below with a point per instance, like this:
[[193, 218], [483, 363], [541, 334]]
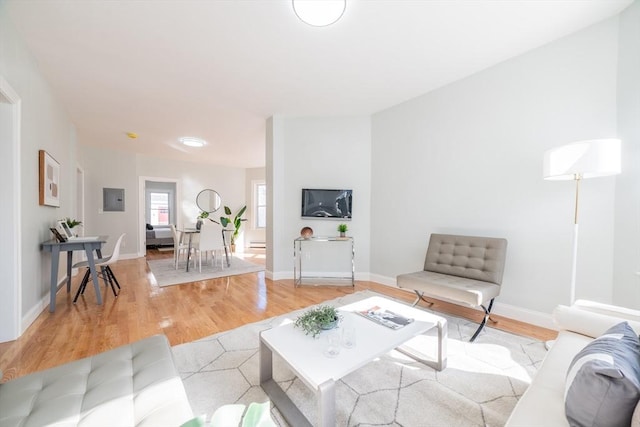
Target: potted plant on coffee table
[[317, 319], [342, 228]]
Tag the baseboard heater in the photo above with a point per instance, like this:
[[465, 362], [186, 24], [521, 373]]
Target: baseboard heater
[[257, 244]]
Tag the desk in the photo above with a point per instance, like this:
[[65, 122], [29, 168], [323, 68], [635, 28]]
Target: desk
[[192, 231], [88, 246]]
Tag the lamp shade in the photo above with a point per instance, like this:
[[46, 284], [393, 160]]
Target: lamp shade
[[583, 159]]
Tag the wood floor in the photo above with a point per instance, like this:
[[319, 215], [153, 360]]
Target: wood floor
[[183, 313]]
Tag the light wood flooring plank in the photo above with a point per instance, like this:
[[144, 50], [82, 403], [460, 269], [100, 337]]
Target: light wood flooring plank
[[183, 312]]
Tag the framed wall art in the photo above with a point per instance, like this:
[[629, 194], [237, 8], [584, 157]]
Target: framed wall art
[[49, 180]]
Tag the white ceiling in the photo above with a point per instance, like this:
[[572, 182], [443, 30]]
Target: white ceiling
[[216, 69]]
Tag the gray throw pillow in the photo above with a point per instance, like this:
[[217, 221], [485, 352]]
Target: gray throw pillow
[[603, 381]]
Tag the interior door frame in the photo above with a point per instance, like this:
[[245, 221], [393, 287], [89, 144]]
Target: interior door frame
[[142, 234], [79, 212], [11, 315]]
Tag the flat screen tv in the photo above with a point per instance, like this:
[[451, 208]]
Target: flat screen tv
[[318, 203]]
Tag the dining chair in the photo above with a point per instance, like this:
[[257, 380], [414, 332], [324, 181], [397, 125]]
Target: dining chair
[[179, 247], [210, 241], [105, 270]]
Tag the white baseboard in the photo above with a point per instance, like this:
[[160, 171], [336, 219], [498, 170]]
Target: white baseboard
[[33, 314], [533, 317], [35, 311], [280, 275], [288, 275], [521, 314], [383, 280], [30, 316]]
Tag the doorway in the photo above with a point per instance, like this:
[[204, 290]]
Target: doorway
[[158, 207], [11, 249]]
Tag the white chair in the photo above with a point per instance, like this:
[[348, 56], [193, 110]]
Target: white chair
[[179, 246], [210, 241], [105, 270]]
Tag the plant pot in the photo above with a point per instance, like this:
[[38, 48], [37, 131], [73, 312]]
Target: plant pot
[[329, 326], [342, 234]]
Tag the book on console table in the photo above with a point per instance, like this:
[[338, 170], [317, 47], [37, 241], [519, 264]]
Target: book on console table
[[385, 317]]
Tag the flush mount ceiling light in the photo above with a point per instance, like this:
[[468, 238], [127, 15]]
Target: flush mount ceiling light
[[192, 142], [319, 13]]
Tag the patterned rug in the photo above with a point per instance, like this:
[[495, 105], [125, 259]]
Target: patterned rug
[[166, 274], [480, 386]]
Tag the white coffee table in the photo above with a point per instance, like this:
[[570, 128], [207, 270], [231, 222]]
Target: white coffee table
[[305, 355]]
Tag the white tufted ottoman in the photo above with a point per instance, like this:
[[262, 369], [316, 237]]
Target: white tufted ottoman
[[132, 385]]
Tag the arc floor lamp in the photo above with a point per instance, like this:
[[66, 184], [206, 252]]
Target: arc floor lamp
[[577, 161]]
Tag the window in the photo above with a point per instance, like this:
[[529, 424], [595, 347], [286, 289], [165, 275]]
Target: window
[[260, 205], [159, 208]]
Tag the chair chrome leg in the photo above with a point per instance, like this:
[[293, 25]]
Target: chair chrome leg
[[487, 312], [421, 297]]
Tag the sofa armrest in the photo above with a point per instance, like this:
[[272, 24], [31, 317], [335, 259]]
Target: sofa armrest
[[607, 309], [593, 319]]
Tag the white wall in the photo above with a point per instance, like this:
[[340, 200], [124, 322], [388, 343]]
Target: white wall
[[328, 152], [117, 169], [467, 159], [194, 177], [275, 173], [45, 125], [627, 236], [105, 168]]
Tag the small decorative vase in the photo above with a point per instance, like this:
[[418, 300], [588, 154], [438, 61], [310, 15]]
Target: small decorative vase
[[198, 223], [306, 232], [342, 234]]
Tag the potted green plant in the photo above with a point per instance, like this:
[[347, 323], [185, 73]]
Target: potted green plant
[[237, 223], [317, 319], [72, 222], [203, 215], [342, 228]]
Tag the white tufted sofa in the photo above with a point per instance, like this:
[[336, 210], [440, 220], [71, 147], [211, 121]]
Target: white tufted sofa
[[132, 385]]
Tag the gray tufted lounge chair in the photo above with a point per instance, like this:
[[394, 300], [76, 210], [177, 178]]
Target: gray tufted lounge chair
[[464, 270]]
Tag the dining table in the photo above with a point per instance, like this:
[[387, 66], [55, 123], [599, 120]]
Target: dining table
[[191, 231]]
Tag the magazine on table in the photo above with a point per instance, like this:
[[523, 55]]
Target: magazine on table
[[385, 317]]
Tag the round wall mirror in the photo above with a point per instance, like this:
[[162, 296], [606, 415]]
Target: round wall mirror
[[208, 200]]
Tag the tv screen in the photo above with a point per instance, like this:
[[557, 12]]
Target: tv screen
[[326, 203]]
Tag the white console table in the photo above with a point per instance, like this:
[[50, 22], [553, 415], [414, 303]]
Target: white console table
[[298, 245]]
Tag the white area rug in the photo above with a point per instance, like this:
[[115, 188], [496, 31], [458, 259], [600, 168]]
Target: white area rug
[[479, 387], [166, 274]]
